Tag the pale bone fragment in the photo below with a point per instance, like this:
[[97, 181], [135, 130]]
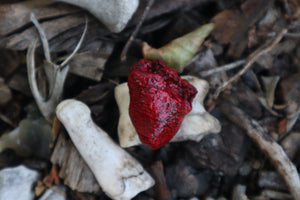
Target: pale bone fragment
[[196, 124], [120, 176], [114, 14]]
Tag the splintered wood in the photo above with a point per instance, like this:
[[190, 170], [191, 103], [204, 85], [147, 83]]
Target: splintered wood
[[73, 170]]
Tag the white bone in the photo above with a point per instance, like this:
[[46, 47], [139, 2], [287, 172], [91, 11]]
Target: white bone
[[115, 14], [196, 124], [120, 176]]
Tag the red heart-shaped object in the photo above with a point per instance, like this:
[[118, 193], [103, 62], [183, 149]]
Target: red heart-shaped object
[[159, 100]]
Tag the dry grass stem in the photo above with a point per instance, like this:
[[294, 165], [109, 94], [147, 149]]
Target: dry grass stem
[[223, 68], [56, 74], [253, 58]]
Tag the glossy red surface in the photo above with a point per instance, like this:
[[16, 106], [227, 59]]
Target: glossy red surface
[[159, 100]]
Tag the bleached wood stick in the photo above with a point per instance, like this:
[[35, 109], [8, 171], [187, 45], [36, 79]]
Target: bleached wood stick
[[120, 175], [268, 146]]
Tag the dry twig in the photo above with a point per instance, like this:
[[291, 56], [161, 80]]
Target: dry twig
[[7, 121], [253, 58], [287, 8], [43, 37], [268, 146], [56, 74], [136, 30], [223, 68]]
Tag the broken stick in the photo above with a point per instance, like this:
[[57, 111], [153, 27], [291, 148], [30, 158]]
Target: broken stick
[[270, 148]]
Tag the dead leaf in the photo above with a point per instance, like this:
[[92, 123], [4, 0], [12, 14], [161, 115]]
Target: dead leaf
[[231, 26], [180, 51], [270, 84], [282, 125]]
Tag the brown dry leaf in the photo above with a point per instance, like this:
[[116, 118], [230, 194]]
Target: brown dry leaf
[[281, 126], [53, 176], [231, 26]]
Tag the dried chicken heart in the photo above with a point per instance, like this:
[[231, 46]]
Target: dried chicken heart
[[159, 100]]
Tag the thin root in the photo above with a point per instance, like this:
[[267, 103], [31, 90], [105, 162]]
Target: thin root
[[136, 30]]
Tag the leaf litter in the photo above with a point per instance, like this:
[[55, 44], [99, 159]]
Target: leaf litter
[[250, 59]]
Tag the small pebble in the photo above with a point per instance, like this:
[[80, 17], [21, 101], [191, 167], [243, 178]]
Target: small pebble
[[17, 183]]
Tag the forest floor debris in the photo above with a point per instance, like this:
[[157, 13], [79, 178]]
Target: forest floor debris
[[251, 59]]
